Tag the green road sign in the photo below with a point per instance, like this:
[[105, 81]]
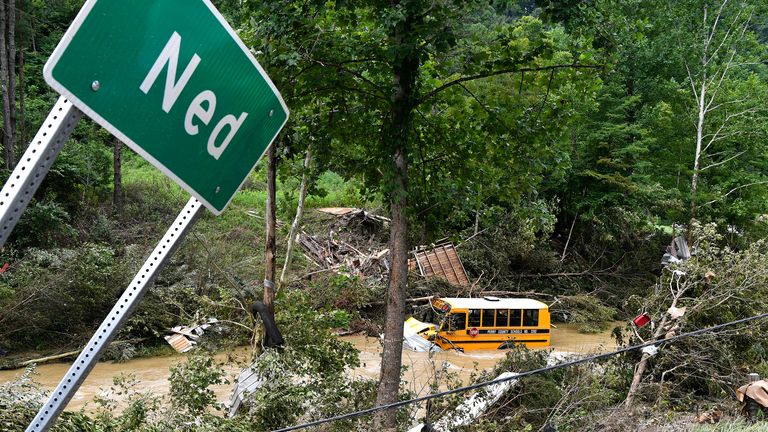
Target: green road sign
[[172, 80]]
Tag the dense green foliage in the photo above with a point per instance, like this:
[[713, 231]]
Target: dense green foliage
[[563, 143]]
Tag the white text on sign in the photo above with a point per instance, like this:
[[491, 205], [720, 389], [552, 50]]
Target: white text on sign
[[173, 88]]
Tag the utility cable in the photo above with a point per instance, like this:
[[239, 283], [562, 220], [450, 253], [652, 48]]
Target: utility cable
[[520, 375]]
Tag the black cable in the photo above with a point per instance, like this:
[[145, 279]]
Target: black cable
[[520, 375]]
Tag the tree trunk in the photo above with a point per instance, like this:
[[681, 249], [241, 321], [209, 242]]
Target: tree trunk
[[117, 179], [643, 364], [22, 102], [395, 137], [636, 378], [271, 222], [11, 38], [299, 214], [5, 87], [699, 139]]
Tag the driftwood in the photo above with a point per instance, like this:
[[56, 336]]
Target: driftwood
[[47, 359]]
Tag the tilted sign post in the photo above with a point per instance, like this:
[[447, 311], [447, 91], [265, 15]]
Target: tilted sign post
[[171, 80]]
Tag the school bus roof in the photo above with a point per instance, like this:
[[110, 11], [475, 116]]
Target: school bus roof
[[493, 303]]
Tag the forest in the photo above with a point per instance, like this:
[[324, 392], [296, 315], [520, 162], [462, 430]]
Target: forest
[[562, 145]]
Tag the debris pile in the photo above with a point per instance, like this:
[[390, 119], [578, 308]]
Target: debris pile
[[185, 338], [336, 252], [357, 216]]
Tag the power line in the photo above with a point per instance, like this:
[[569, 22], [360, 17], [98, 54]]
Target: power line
[[520, 375]]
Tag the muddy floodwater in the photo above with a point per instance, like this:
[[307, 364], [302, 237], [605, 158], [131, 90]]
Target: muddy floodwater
[[152, 373]]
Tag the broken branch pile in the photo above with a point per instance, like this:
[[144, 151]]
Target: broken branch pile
[[348, 249], [337, 255]]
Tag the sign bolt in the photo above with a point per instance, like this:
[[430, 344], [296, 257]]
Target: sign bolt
[[218, 189], [95, 86], [271, 113]]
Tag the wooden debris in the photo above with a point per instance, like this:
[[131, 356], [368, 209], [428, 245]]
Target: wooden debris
[[341, 257], [354, 213], [46, 359], [709, 417]]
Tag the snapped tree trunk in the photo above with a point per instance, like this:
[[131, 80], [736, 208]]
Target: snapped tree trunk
[[117, 179], [271, 222], [299, 214], [395, 138]]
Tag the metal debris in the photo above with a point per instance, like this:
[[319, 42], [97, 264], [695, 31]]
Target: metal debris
[[440, 261], [412, 339], [247, 383], [185, 338], [473, 407], [676, 252]]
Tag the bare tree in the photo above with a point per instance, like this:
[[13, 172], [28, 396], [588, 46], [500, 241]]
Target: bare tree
[[722, 34], [299, 214]]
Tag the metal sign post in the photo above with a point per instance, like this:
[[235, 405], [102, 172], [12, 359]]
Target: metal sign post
[[35, 163], [117, 316], [170, 79]]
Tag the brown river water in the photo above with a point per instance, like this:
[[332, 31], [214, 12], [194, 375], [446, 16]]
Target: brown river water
[[152, 373]]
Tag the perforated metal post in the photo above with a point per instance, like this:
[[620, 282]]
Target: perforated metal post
[[35, 163], [117, 316]]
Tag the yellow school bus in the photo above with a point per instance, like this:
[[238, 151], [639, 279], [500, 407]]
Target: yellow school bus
[[486, 323]]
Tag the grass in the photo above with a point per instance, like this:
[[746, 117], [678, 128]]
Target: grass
[[733, 426], [333, 191]]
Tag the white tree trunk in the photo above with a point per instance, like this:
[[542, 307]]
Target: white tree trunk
[[699, 139], [299, 214]]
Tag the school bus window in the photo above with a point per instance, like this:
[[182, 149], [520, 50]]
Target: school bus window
[[515, 317], [458, 321], [474, 318], [531, 318], [488, 317], [502, 318]]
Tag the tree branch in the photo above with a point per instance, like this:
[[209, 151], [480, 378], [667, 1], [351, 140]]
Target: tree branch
[[457, 81], [735, 189], [723, 161]]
